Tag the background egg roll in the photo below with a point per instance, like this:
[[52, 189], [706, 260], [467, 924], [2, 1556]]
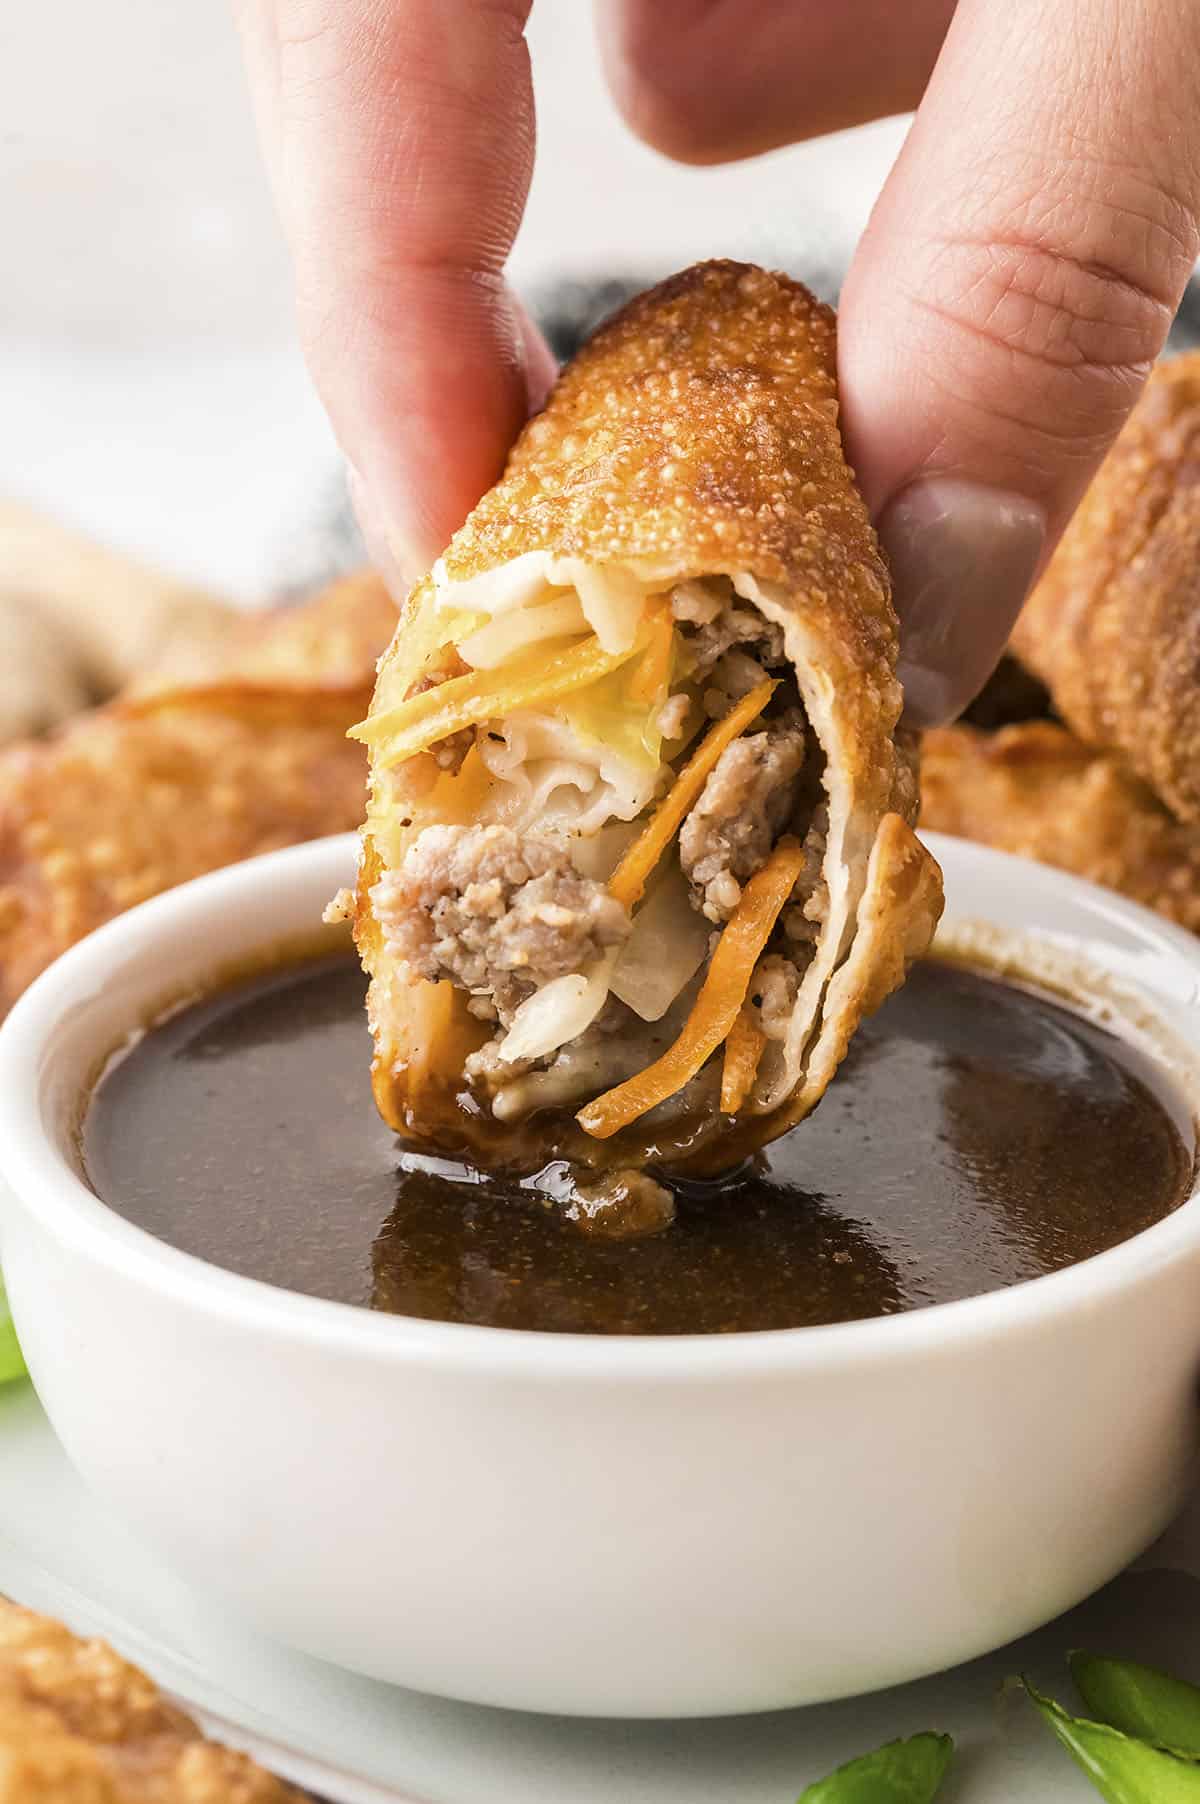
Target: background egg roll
[[1113, 628], [174, 781], [80, 1725], [1034, 789], [677, 538]]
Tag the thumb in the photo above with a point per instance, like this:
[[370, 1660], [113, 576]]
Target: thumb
[[1017, 280]]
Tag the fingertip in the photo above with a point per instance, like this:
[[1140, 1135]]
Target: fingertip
[[428, 437], [962, 558], [406, 140], [541, 365], [399, 562]]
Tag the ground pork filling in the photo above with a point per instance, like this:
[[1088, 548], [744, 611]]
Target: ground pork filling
[[768, 781], [500, 914], [497, 913], [713, 621], [747, 801], [448, 754]]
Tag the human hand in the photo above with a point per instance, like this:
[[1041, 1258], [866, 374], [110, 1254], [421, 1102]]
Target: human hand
[[1012, 290]]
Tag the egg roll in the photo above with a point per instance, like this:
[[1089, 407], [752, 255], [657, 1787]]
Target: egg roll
[[1113, 627], [639, 846], [1034, 789], [176, 779], [111, 615], [80, 1725]]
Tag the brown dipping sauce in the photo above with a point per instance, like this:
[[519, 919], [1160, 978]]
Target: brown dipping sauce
[[976, 1135]]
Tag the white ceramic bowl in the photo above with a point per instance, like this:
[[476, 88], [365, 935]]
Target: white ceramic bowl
[[594, 1525]]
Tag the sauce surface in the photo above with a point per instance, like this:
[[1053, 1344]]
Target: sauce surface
[[976, 1135]]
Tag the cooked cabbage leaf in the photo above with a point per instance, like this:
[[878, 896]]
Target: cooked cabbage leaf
[[608, 714]]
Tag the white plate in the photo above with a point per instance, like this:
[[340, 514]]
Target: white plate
[[364, 1743]]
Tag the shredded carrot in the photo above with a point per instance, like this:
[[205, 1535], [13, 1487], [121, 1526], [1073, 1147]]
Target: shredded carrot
[[717, 1006], [743, 1050], [629, 879], [653, 672], [465, 701]]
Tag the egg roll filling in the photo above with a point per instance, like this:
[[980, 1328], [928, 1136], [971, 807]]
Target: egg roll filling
[[580, 792]]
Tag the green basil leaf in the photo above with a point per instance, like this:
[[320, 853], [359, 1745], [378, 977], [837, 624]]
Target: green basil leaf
[[1122, 1769], [1140, 1701], [902, 1772], [11, 1363]]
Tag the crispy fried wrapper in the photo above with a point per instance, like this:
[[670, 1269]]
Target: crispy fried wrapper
[[1034, 789], [79, 1725], [156, 788], [323, 651], [554, 679], [1113, 628], [79, 620]]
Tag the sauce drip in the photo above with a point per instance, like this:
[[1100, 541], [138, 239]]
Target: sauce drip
[[977, 1135]]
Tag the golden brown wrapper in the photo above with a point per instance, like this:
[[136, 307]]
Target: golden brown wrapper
[[1036, 790], [325, 649], [1113, 628], [696, 435], [107, 617], [79, 1725], [697, 432], [138, 796]]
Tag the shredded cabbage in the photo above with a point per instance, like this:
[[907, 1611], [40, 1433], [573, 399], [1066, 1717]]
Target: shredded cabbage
[[560, 1011], [422, 633], [520, 628], [547, 774], [633, 872], [668, 945], [421, 720], [716, 1007], [598, 854], [609, 716], [495, 591], [612, 598], [650, 682]]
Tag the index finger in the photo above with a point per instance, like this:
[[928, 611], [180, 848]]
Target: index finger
[[400, 141]]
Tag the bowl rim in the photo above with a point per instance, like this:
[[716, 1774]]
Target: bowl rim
[[41, 1181]]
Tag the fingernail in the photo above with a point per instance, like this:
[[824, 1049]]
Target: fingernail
[[962, 558], [399, 565]]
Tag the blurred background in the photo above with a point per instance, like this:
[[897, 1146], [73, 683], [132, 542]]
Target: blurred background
[[151, 390]]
